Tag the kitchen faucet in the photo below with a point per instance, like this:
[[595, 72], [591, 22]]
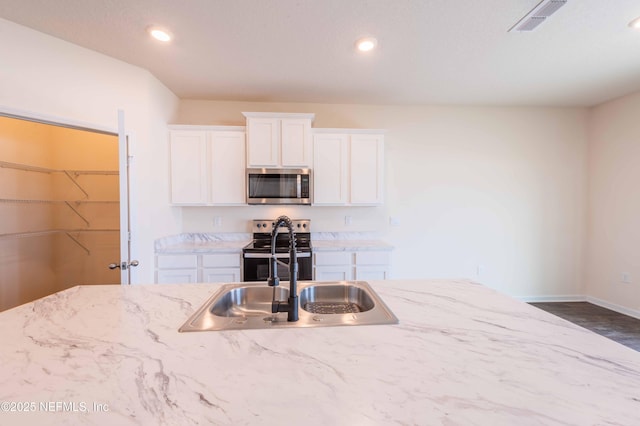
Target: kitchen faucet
[[291, 305]]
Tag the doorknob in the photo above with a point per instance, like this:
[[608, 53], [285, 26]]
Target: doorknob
[[124, 265]]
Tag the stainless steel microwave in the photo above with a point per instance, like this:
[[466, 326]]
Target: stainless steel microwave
[[279, 186]]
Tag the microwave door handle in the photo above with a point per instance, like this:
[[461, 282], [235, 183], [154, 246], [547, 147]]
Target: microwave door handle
[[299, 186]]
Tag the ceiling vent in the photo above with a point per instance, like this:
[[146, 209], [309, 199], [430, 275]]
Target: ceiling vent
[[538, 15]]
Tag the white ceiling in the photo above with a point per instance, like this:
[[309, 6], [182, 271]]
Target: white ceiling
[[430, 51]]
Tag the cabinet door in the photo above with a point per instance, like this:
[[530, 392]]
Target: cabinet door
[[177, 261], [263, 140], [372, 273], [332, 258], [333, 273], [224, 260], [295, 142], [366, 169], [188, 151], [176, 276], [221, 275], [330, 169], [373, 257], [227, 170]]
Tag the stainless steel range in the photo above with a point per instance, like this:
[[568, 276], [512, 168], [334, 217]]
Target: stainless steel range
[[256, 255]]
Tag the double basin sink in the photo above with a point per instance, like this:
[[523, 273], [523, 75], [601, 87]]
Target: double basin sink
[[245, 306]]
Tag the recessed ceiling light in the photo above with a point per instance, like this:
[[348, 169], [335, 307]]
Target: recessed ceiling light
[[366, 44], [635, 24], [159, 34]]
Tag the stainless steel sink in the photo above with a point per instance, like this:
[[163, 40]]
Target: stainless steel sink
[[248, 306], [247, 301], [334, 299]]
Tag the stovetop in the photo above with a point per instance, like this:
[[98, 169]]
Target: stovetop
[[264, 226], [262, 237]]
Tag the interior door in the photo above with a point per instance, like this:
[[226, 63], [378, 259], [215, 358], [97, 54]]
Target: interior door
[[65, 206], [126, 263]]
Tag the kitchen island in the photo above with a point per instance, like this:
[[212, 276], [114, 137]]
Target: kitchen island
[[462, 354]]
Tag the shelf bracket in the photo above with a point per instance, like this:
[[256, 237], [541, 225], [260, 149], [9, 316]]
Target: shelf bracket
[[75, 182], [75, 240], [77, 213]]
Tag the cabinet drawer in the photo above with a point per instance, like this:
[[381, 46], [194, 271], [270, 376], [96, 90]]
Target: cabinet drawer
[[177, 276], [333, 258], [373, 258], [177, 261], [227, 260]]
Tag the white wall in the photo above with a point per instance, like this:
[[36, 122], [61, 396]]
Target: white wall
[[44, 76], [500, 188], [614, 203]]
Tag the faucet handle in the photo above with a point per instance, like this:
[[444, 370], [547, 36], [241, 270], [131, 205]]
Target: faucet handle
[[273, 282]]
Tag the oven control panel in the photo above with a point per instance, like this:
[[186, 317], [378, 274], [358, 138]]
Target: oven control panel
[[266, 225]]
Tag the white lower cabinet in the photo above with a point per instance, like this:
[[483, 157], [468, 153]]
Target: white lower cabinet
[[176, 276], [350, 265], [333, 273], [176, 269], [221, 268], [221, 275], [333, 266], [372, 265], [193, 268]]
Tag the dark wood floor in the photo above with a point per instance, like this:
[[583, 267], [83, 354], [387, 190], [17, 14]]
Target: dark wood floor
[[621, 328]]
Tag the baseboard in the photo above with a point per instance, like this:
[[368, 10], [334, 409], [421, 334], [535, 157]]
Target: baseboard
[[612, 306], [565, 298]]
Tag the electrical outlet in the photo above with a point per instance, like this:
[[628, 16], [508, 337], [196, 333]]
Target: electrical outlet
[[625, 277], [347, 220], [217, 221], [480, 270], [394, 221]]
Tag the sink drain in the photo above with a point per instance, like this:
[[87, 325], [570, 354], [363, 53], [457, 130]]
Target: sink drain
[[331, 308]]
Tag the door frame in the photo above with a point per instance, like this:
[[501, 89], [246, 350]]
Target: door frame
[[124, 172], [125, 163]]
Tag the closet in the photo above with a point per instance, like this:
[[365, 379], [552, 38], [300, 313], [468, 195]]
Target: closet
[[59, 209]]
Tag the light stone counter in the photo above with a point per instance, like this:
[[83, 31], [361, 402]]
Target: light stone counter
[[202, 243], [462, 354], [194, 243], [348, 241]]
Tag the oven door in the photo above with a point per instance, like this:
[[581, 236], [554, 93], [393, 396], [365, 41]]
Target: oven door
[[256, 267]]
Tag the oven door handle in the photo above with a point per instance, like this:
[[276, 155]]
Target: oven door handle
[[278, 255]]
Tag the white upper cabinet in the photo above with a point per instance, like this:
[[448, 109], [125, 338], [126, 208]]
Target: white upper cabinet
[[188, 167], [348, 167], [295, 144], [366, 169], [263, 142], [227, 171], [279, 139], [207, 166], [330, 168]]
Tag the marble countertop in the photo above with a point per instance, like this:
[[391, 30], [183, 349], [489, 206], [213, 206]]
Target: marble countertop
[[348, 241], [196, 243], [350, 245], [462, 354]]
